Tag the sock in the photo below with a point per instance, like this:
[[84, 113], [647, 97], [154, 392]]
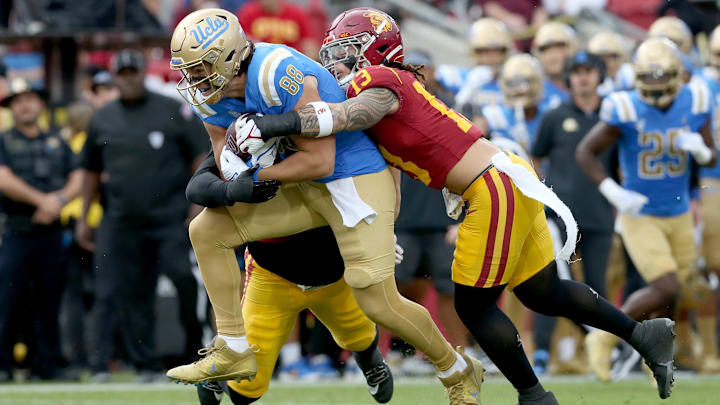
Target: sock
[[459, 366], [369, 357], [290, 353], [533, 393], [238, 344]]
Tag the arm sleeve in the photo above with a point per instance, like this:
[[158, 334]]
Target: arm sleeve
[[206, 188], [543, 142], [91, 155]]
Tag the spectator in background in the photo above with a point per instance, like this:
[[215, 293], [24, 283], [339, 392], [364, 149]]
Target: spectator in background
[[102, 89], [561, 130], [423, 58], [279, 22], [78, 293], [147, 145], [37, 178]]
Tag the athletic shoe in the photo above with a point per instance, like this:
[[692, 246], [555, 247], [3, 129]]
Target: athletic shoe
[[655, 341], [540, 361], [599, 346], [547, 399], [378, 378], [321, 368], [625, 363], [463, 388], [219, 364], [210, 393]]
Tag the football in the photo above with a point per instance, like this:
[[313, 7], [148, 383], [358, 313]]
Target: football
[[230, 140]]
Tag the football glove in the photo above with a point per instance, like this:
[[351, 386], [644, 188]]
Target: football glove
[[399, 251], [231, 165], [626, 201], [693, 142], [244, 189], [248, 137]]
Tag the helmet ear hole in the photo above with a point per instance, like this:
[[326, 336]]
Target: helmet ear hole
[[230, 56], [381, 49]]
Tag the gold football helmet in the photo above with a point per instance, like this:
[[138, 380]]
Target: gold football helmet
[[521, 80], [487, 35], [548, 36], [673, 29], [609, 46], [715, 47], [658, 71], [214, 39]]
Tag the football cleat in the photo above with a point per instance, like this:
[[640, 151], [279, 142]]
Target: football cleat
[[219, 364], [210, 393], [463, 388], [379, 379], [547, 399], [655, 341], [599, 345]]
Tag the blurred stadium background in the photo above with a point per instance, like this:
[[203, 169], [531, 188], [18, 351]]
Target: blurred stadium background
[[64, 47]]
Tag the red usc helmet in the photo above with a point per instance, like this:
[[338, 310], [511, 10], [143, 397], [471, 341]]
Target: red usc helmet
[[360, 37]]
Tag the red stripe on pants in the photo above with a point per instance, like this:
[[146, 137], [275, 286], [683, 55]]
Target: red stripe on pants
[[508, 227], [492, 232]]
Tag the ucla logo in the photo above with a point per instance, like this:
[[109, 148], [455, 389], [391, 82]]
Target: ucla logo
[[209, 30]]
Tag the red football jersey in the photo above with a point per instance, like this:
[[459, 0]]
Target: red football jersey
[[424, 138]]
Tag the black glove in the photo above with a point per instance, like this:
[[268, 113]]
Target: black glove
[[245, 189]]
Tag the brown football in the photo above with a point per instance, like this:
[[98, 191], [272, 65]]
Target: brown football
[[230, 134]]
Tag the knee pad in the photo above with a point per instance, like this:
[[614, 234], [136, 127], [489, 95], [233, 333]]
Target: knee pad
[[357, 278]]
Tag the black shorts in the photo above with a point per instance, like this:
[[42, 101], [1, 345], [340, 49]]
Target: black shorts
[[426, 254]]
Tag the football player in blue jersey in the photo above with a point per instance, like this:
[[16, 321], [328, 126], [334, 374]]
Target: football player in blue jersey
[[657, 127], [610, 46], [518, 117], [554, 42], [491, 45], [225, 76]]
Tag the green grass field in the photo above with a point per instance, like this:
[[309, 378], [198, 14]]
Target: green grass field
[[690, 390]]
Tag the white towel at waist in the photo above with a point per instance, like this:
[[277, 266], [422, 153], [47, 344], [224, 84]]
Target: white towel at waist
[[529, 185], [346, 199]]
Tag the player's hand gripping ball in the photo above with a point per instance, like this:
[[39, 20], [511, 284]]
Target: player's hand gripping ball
[[244, 139]]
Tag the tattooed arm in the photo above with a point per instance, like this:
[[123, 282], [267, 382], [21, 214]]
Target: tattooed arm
[[357, 113]]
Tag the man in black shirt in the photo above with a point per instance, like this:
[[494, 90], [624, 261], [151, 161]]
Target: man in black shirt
[[145, 147], [37, 178], [559, 134]]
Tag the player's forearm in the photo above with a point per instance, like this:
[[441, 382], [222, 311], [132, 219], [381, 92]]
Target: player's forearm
[[590, 164], [300, 166], [205, 187], [313, 120], [73, 187], [18, 190]]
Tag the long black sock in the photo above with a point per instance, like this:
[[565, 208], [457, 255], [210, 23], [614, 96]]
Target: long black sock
[[369, 357], [547, 294], [495, 333]]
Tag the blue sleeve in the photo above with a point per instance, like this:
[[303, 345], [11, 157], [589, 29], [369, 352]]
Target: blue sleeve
[[209, 114], [608, 112]]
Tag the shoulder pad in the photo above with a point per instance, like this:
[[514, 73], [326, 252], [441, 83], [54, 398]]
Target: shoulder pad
[[266, 76], [623, 106]]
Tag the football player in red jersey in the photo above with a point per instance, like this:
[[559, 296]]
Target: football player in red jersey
[[503, 240]]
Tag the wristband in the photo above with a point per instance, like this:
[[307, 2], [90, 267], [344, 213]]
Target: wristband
[[324, 116]]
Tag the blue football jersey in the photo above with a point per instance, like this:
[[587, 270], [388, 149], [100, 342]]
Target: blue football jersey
[[651, 164], [274, 85], [510, 123], [451, 77], [553, 96], [714, 87], [480, 89]]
